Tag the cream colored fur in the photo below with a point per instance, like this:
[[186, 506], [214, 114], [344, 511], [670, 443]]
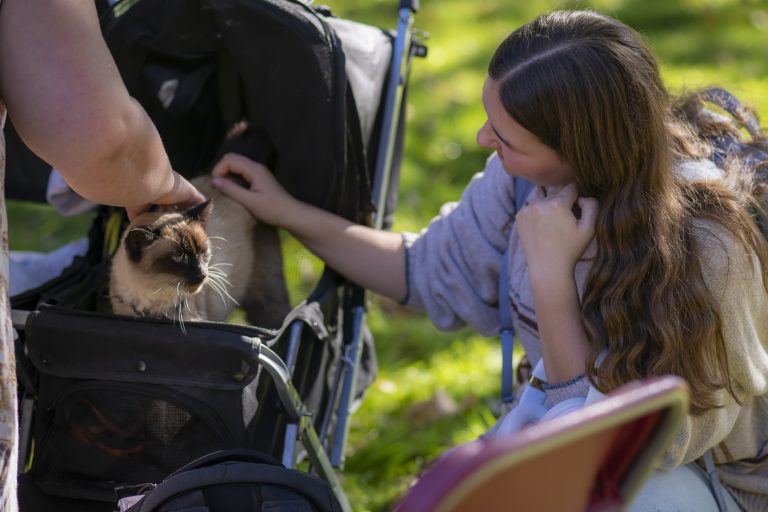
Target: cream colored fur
[[244, 250]]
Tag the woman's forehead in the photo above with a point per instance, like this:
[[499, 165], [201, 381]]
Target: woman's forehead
[[501, 121]]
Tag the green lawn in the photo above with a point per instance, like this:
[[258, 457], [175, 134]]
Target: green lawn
[[698, 42], [396, 431]]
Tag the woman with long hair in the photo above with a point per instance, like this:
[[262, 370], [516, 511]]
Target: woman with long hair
[[634, 249]]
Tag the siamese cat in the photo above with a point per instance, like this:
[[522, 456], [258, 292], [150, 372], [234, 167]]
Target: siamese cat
[[200, 264]]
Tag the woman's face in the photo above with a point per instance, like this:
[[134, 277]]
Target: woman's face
[[521, 153]]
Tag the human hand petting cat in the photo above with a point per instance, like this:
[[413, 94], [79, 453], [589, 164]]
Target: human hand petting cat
[[264, 197], [553, 237], [182, 194]]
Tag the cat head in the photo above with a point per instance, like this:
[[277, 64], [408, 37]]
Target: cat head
[[172, 246]]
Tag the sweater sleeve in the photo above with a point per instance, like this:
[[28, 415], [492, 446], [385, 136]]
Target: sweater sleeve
[[452, 266], [734, 278]]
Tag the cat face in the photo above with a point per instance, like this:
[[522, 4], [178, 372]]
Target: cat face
[[172, 247]]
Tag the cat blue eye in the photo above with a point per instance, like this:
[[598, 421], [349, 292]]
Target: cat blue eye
[[179, 257]]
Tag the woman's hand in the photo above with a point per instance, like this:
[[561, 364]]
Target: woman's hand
[[552, 236], [261, 195], [372, 258], [554, 239]]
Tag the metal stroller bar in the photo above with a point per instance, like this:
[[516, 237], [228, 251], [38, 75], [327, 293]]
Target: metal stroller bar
[[292, 428], [293, 344], [398, 73], [350, 362], [346, 376], [295, 408]]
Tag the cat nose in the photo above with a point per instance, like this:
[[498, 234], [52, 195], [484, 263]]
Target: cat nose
[[198, 274]]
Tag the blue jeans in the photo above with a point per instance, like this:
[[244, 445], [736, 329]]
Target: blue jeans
[[683, 489]]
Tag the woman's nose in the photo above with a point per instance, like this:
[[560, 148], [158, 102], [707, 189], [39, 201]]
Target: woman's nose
[[485, 137]]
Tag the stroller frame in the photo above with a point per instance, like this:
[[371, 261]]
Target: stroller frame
[[326, 456]]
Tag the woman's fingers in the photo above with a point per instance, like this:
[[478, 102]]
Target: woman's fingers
[[589, 210], [233, 190], [232, 163], [568, 194]]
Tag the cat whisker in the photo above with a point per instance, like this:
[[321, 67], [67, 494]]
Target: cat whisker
[[181, 320], [218, 286], [223, 286], [181, 301], [220, 278], [221, 295], [219, 275], [217, 238], [186, 303]]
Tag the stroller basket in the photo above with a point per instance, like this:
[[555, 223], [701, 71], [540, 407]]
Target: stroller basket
[[136, 399]]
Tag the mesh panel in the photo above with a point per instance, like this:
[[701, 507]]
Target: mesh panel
[[100, 438]]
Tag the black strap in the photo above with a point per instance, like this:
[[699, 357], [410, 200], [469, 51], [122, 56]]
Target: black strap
[[234, 455], [313, 488]]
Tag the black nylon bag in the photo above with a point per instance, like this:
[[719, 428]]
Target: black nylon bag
[[238, 481], [121, 401], [198, 66]]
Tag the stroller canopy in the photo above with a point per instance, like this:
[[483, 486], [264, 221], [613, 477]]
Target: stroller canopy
[[200, 66]]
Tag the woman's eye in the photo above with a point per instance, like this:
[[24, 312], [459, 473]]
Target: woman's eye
[[179, 257]]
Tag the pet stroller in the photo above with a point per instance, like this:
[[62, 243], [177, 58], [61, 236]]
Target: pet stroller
[[108, 402]]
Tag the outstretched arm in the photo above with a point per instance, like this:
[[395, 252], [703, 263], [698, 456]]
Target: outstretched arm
[[70, 106], [371, 258]]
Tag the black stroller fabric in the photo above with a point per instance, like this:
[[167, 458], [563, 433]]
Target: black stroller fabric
[[127, 399], [200, 66], [123, 401]]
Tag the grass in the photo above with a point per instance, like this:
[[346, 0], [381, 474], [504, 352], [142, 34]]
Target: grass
[[699, 43], [396, 431]]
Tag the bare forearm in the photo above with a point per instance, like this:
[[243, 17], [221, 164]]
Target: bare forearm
[[135, 171], [564, 342], [371, 258], [71, 107]]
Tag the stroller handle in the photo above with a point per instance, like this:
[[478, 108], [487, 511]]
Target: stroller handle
[[413, 5]]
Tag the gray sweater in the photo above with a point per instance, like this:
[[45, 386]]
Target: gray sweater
[[453, 273]]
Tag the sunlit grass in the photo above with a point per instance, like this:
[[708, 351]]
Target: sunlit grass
[[699, 43], [36, 226]]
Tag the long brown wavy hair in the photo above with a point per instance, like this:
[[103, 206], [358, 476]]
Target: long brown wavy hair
[[587, 86]]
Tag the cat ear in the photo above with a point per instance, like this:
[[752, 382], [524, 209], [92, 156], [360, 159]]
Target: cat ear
[[136, 240], [200, 212]]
